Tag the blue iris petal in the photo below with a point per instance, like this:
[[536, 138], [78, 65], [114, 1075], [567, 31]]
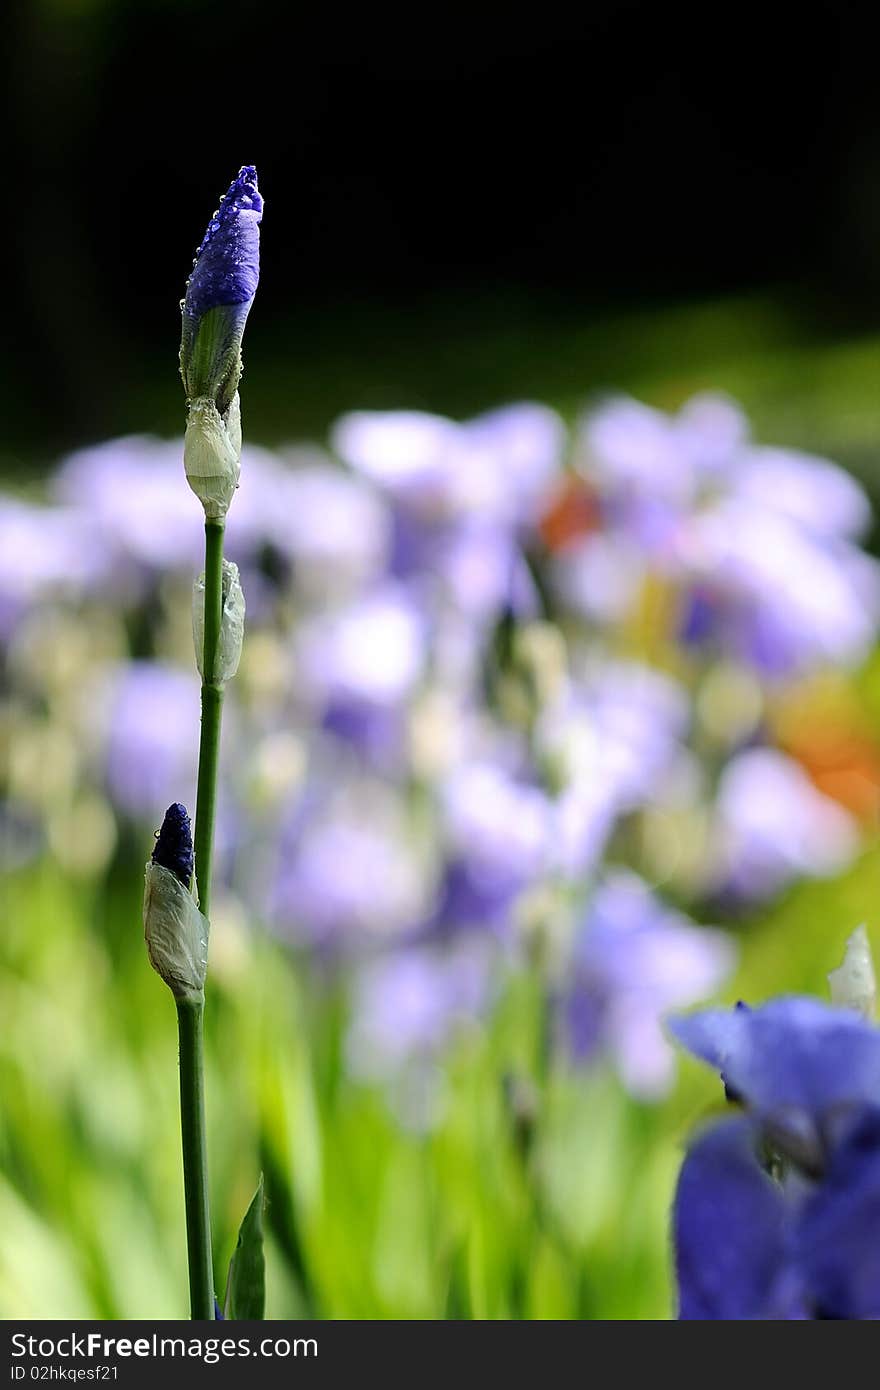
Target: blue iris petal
[[731, 1226], [793, 1060], [227, 266], [837, 1241]]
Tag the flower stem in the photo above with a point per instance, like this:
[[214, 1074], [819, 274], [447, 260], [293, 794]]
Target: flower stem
[[195, 1158], [212, 709], [190, 1012]]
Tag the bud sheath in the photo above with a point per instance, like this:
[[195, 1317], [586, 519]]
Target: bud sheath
[[175, 931], [229, 642]]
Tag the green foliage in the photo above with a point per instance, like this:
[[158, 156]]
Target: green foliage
[[246, 1282], [367, 1218]]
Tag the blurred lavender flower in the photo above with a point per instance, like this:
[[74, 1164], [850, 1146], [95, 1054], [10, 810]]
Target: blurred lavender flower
[[497, 832], [509, 823], [463, 495], [45, 552], [372, 651], [769, 592], [645, 471], [772, 825], [634, 959], [408, 1006], [650, 467], [358, 666], [407, 1010], [349, 867], [125, 494], [606, 744], [810, 491], [498, 465], [151, 711], [600, 576], [130, 489], [757, 541], [620, 719], [330, 527]]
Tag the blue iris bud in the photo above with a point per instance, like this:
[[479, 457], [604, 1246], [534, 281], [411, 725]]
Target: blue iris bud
[[174, 846], [175, 931], [219, 294]]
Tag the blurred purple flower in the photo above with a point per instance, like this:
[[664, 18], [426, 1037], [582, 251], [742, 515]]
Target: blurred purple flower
[[152, 744], [771, 825], [130, 489], [608, 741], [496, 466], [811, 492], [45, 552], [462, 495], [759, 539], [332, 527], [601, 576], [605, 744], [410, 455], [349, 867], [497, 832], [775, 595], [476, 566], [471, 900], [409, 1005], [640, 717], [645, 468], [650, 467], [634, 960], [372, 650]]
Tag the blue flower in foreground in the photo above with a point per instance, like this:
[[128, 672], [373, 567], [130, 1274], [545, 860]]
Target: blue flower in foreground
[[749, 1245], [796, 1063], [219, 293], [731, 1229], [835, 1242], [777, 1211]]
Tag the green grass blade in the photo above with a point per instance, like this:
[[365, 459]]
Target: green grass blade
[[246, 1283]]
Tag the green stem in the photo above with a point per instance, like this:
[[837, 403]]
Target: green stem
[[195, 1158], [190, 1012], [212, 709]]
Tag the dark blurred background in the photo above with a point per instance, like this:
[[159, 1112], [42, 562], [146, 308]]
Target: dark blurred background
[[457, 202]]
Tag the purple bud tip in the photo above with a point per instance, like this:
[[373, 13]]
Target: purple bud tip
[[227, 264], [174, 846]]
